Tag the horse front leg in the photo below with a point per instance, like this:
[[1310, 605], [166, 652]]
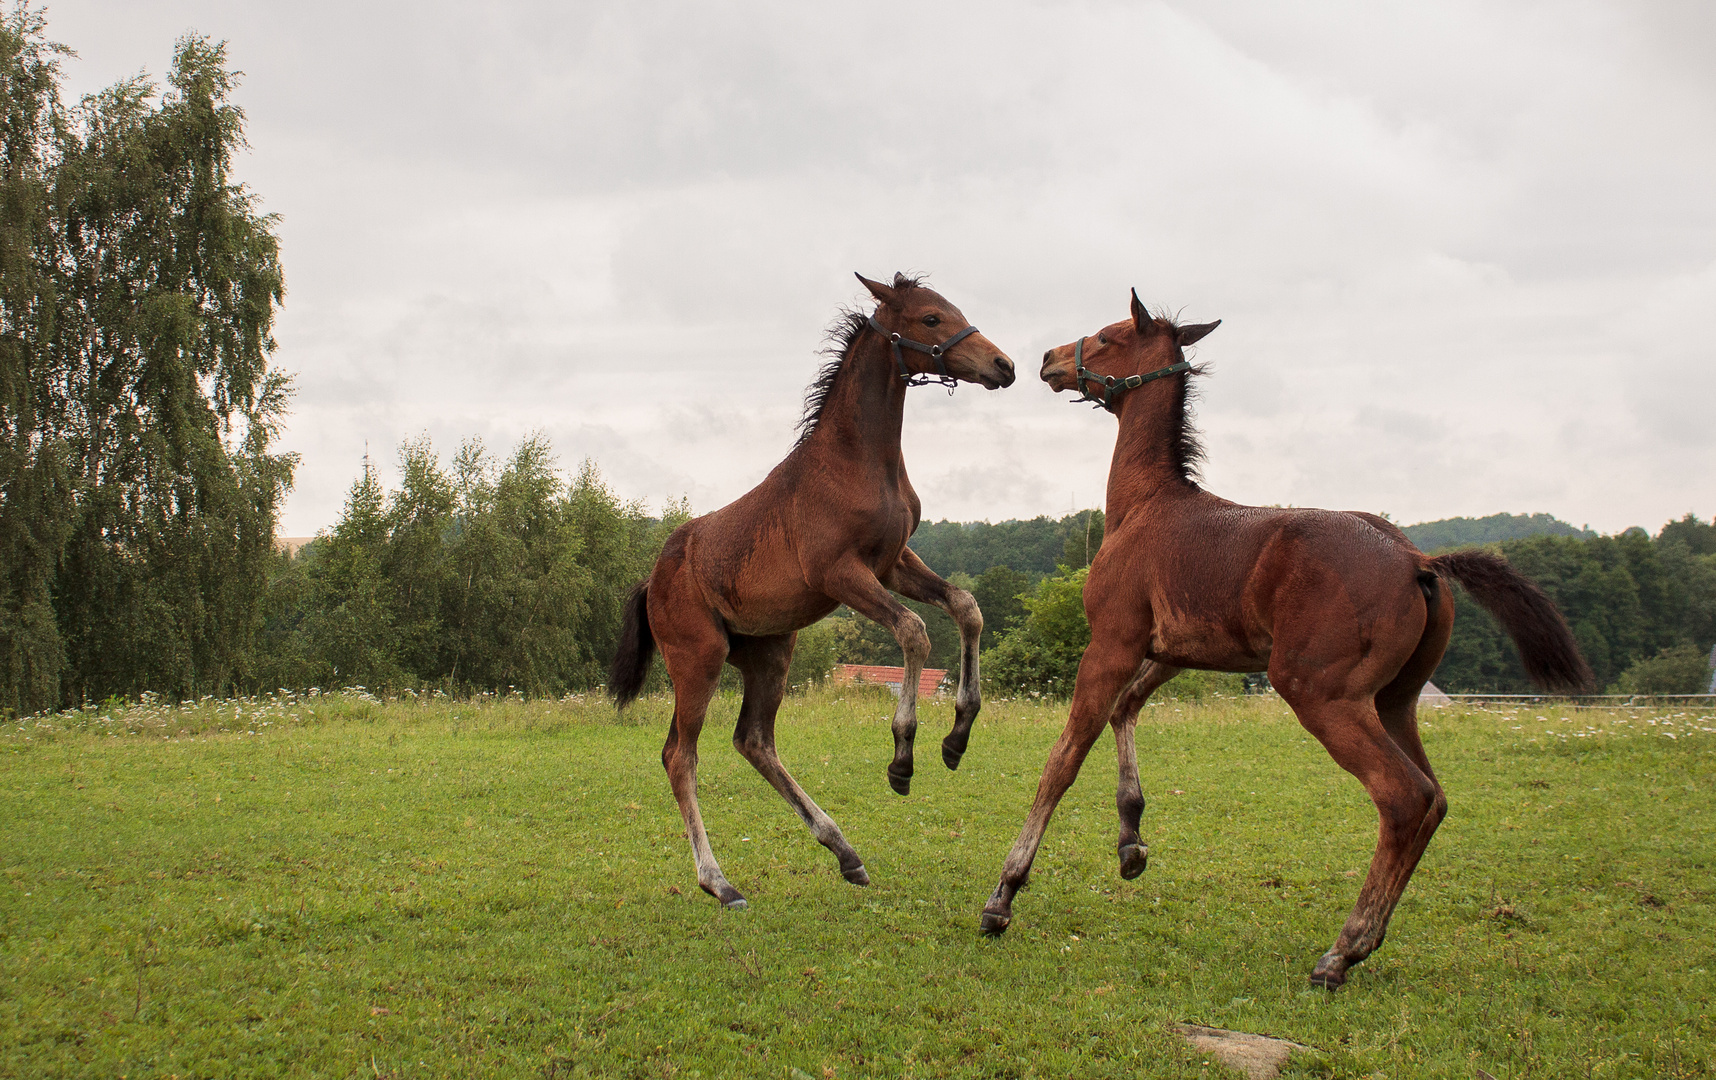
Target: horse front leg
[[1129, 793], [855, 586], [1103, 673], [911, 578]]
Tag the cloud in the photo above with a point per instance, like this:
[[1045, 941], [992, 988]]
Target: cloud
[[1464, 253]]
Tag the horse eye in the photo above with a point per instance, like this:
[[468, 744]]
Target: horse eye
[[932, 320], [1101, 339]]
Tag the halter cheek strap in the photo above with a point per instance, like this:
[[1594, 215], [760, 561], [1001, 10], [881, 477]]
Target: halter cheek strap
[[1113, 388], [936, 352]]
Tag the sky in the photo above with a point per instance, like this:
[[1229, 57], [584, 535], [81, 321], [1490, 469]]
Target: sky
[[1464, 253]]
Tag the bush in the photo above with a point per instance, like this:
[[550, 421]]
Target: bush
[[1679, 669], [1202, 685], [1040, 655], [814, 656]]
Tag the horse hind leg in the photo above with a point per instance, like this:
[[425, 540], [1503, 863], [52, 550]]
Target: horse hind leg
[[1129, 792], [1409, 807], [1397, 703], [695, 668], [763, 661]]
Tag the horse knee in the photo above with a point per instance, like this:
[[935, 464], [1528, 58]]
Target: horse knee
[[749, 746], [1410, 809], [963, 607], [914, 639]]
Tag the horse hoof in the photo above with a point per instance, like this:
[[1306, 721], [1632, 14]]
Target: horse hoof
[[735, 904], [1330, 973], [950, 757], [995, 924], [856, 875], [902, 785], [1133, 860]]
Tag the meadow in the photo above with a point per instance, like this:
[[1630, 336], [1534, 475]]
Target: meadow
[[332, 885]]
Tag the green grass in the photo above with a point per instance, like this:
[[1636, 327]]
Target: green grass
[[339, 887]]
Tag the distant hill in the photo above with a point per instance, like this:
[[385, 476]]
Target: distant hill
[[1463, 531]]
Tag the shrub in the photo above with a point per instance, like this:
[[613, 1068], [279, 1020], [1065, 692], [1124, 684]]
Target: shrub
[[1040, 655], [814, 656], [1679, 669]]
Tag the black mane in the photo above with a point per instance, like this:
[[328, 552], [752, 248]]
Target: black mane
[[842, 335], [1185, 442]]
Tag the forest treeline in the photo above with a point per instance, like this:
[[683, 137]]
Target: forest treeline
[[485, 574], [1467, 532], [1642, 607]]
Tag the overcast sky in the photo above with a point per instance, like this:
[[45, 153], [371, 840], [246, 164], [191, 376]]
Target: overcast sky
[[1465, 253]]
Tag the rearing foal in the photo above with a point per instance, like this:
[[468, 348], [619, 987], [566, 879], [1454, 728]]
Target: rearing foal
[[1346, 615], [827, 527]]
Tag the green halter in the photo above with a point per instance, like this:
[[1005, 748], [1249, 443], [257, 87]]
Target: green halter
[[1113, 387]]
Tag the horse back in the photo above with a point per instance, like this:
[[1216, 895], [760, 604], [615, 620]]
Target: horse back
[[1217, 583], [758, 560]]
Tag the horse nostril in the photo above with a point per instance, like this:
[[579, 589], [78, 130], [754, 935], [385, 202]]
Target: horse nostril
[[1049, 355], [1006, 367]]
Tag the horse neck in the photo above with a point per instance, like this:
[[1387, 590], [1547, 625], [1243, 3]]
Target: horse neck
[[1145, 465], [865, 410]]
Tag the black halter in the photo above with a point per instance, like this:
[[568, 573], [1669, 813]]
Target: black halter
[[1113, 388], [936, 353]]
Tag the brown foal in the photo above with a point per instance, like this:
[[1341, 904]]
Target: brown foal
[[827, 527], [1345, 614]]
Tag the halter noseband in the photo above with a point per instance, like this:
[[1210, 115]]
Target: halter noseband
[[936, 353], [1113, 388]]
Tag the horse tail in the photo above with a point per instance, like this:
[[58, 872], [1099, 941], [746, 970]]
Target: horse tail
[[637, 647], [1545, 643]]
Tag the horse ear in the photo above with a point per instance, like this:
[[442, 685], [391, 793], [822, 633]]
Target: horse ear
[[881, 292], [1186, 335], [1141, 319]]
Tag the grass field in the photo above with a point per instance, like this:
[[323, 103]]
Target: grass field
[[335, 886]]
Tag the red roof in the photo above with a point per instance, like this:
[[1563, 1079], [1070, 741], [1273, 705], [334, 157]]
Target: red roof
[[882, 675]]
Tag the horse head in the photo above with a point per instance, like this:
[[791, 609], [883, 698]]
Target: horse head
[[1121, 356], [920, 324]]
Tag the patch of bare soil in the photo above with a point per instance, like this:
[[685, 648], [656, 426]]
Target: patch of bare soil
[[1259, 1057]]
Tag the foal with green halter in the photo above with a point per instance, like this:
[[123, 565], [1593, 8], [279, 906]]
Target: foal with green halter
[[1345, 614]]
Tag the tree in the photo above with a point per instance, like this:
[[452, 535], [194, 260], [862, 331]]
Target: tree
[[999, 591], [1040, 655], [1464, 532], [137, 404], [1033, 547], [1627, 598], [36, 503], [1084, 539], [484, 575]]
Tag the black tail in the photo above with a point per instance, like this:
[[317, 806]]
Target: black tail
[[1545, 644], [637, 647]]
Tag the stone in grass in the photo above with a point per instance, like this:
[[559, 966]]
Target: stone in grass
[[1259, 1057]]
